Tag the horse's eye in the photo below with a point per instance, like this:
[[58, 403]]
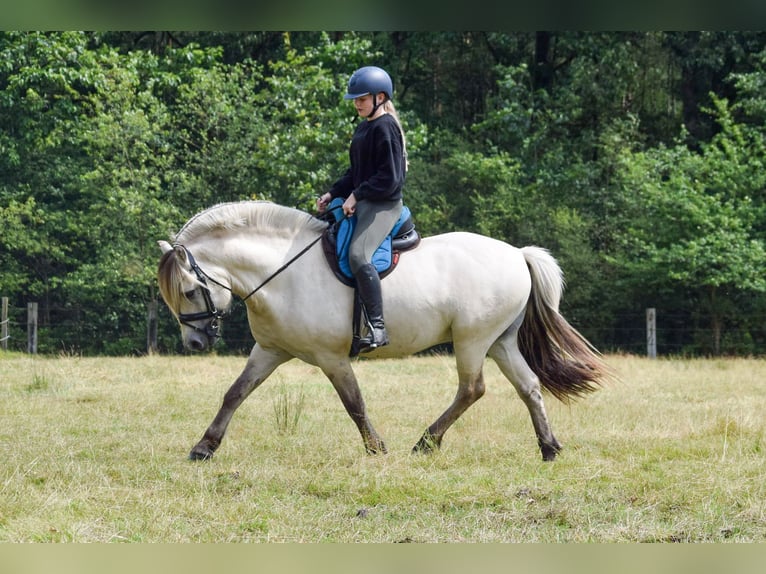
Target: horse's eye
[[190, 294]]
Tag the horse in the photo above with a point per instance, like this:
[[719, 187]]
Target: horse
[[484, 296]]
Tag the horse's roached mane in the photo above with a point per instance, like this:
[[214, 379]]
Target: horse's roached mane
[[257, 214]]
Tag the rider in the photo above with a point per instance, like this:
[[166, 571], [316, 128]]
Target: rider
[[372, 187]]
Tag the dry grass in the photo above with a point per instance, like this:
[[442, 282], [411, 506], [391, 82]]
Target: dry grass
[[95, 450]]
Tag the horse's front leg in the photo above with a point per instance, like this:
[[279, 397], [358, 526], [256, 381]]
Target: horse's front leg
[[344, 380], [260, 365]]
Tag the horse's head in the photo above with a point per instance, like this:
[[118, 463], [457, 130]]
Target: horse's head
[[197, 303]]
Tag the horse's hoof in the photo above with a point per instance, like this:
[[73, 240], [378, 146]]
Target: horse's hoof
[[426, 445], [198, 453], [379, 448], [549, 451]]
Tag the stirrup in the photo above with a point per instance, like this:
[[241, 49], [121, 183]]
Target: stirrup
[[376, 338]]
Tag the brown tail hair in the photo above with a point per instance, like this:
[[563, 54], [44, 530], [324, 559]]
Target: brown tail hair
[[567, 365]]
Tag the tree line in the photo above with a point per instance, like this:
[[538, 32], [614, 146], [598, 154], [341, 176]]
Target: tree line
[[635, 157]]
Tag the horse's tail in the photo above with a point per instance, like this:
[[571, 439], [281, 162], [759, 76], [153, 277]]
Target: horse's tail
[[565, 362]]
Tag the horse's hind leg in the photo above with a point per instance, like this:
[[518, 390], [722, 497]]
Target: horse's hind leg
[[344, 380], [260, 365], [470, 389], [505, 352]]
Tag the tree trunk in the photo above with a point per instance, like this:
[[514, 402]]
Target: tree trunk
[[716, 322]]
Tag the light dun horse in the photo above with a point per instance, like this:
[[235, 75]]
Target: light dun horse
[[484, 296]]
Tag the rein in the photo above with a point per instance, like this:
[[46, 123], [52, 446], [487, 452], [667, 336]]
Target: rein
[[202, 275], [285, 266], [211, 311]]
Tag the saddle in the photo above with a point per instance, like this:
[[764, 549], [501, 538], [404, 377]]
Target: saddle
[[335, 244], [337, 238]]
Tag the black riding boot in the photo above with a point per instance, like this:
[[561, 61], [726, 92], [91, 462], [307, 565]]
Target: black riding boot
[[368, 285]]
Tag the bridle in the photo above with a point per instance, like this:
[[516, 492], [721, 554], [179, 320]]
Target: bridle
[[213, 328]]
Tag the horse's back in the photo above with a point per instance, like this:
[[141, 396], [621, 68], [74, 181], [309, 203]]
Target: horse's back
[[461, 256], [472, 243]]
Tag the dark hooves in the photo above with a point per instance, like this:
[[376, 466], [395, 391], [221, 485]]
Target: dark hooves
[[200, 455], [378, 448], [549, 451], [426, 445]]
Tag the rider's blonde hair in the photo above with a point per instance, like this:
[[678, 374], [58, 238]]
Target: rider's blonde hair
[[388, 107]]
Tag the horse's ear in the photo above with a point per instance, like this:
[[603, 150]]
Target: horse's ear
[[181, 254], [167, 247]]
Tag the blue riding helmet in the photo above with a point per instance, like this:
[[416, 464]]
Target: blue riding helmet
[[369, 80]]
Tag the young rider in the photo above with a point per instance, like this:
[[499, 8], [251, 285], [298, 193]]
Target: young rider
[[371, 187]]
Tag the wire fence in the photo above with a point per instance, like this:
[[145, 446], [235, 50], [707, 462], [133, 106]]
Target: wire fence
[[81, 331], [74, 330]]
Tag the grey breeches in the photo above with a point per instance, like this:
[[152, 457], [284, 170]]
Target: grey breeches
[[374, 220]]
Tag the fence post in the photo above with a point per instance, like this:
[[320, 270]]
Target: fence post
[[32, 328], [4, 325], [651, 332], [151, 327]]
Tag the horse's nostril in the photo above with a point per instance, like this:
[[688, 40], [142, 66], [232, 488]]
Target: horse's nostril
[[196, 344]]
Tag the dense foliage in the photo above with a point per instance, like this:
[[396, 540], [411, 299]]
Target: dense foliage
[[637, 158]]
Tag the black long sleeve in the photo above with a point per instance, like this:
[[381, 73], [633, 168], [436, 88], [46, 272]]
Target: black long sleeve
[[377, 169]]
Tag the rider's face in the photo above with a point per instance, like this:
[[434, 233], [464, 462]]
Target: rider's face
[[364, 105]]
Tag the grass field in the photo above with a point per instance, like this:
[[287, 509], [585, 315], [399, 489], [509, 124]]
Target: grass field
[[95, 449]]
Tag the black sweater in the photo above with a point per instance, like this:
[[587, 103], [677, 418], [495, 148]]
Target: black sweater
[[377, 162]]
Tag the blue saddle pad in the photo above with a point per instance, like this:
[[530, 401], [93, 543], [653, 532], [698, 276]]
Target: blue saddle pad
[[382, 258]]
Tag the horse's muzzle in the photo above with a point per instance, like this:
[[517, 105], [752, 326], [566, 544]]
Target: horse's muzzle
[[202, 338], [196, 343]]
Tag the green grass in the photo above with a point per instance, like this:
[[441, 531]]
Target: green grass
[[95, 450]]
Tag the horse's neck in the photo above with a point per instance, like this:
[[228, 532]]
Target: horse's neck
[[248, 258]]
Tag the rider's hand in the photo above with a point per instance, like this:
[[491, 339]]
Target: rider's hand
[[323, 201], [349, 206]]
